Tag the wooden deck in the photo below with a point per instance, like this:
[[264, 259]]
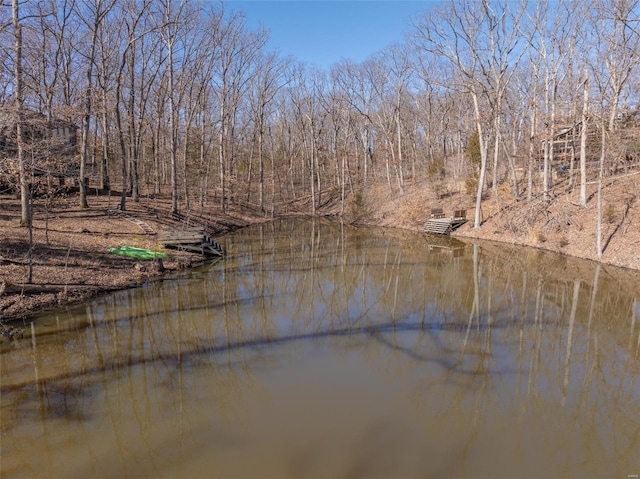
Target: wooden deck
[[438, 224], [191, 239]]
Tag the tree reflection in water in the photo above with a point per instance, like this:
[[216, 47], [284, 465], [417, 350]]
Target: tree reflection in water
[[319, 350]]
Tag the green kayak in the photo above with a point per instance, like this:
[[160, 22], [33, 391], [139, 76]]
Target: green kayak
[[139, 253]]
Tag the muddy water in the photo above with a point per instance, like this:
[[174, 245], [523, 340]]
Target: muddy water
[[315, 350]]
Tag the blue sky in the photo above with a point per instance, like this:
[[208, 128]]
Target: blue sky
[[322, 32]]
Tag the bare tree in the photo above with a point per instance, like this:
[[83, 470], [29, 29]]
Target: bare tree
[[555, 25], [200, 54], [92, 13], [616, 56], [621, 47], [583, 138], [64, 26], [383, 112], [19, 113], [133, 16], [105, 78], [398, 71], [268, 79], [238, 51], [482, 46], [172, 22], [356, 82]]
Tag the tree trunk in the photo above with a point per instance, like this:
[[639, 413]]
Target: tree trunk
[[312, 165], [400, 173], [261, 162], [185, 165], [532, 147], [173, 145], [86, 123], [105, 183], [496, 151], [19, 104], [583, 141], [221, 150], [600, 180], [512, 165], [483, 162]]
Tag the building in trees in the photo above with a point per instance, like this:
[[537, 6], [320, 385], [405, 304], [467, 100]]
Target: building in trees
[[565, 145], [50, 146]]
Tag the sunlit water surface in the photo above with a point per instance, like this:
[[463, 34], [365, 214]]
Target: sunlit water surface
[[315, 350]]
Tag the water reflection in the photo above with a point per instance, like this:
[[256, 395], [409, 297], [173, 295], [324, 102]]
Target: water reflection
[[318, 350]]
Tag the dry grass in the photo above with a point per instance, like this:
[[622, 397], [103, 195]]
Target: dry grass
[[557, 224], [560, 224]]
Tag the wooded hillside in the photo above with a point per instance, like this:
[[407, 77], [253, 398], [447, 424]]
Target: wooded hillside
[[181, 97]]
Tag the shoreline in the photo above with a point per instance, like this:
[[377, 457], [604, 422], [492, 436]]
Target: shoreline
[[143, 273], [70, 259], [585, 257], [71, 262]]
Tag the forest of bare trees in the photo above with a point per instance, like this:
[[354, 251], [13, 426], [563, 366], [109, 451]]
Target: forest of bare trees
[[182, 98]]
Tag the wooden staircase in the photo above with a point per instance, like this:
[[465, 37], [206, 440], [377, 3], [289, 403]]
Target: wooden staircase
[[191, 239], [439, 225]]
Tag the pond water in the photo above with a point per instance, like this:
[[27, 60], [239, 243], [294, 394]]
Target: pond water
[[316, 350]]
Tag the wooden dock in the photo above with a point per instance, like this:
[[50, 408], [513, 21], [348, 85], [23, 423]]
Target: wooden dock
[[438, 224], [191, 239]]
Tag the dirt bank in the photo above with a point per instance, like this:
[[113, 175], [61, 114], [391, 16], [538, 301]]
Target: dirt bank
[[561, 225], [556, 223], [70, 260]]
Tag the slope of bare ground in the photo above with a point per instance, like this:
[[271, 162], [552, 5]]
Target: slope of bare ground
[[557, 224], [70, 260], [561, 225]]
